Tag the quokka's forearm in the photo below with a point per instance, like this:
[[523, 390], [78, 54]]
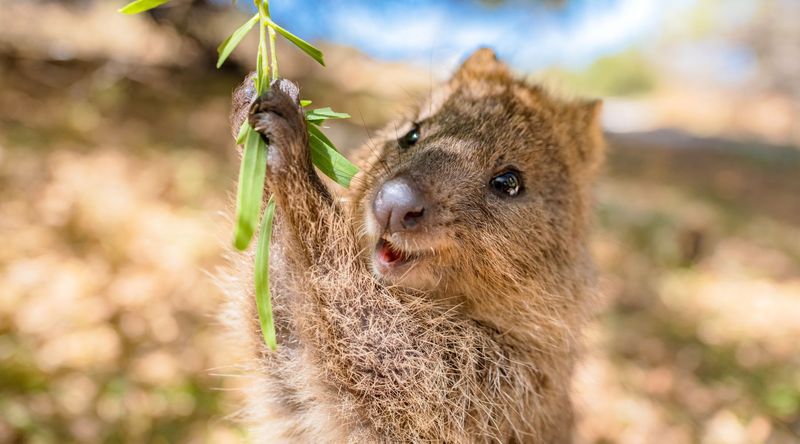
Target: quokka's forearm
[[307, 212], [302, 199]]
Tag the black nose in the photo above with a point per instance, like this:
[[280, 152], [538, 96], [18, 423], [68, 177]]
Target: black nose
[[399, 206]]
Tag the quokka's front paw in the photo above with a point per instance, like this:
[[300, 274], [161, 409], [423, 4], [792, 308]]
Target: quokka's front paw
[[278, 116]]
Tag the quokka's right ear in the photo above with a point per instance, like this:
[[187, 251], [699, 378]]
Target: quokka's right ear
[[482, 63], [588, 126], [241, 99]]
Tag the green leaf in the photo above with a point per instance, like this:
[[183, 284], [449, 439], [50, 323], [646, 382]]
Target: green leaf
[[251, 188], [263, 300], [262, 82], [140, 6], [309, 49], [242, 132], [305, 103], [226, 47], [317, 132], [328, 160], [321, 114]]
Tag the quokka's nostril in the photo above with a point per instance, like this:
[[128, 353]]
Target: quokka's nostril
[[398, 205], [411, 218]]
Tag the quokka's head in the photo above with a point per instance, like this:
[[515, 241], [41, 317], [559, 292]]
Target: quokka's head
[[484, 184]]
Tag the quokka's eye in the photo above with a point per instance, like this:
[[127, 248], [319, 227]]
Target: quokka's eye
[[507, 184], [410, 138]]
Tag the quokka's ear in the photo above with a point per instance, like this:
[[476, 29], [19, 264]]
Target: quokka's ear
[[481, 63], [588, 127]]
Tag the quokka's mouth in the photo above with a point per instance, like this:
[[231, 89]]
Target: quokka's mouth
[[389, 257]]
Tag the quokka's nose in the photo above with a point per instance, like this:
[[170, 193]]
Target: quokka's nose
[[399, 206]]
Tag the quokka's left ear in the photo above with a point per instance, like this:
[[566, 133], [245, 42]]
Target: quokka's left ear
[[481, 63], [588, 133]]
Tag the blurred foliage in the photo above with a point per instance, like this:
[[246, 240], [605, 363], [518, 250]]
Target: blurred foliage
[[107, 329], [705, 285], [624, 74]]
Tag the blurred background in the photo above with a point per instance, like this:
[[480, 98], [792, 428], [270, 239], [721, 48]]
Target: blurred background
[[117, 172]]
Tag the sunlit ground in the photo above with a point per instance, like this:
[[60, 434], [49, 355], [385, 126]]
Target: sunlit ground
[[115, 197]]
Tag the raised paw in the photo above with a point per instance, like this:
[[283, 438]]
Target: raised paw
[[278, 116]]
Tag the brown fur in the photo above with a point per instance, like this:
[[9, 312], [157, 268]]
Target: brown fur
[[478, 342]]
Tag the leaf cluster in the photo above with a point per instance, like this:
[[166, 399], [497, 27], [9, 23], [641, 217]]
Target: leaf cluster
[[252, 173]]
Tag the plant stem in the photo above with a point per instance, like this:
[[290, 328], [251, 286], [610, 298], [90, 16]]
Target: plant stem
[[262, 41], [272, 38]]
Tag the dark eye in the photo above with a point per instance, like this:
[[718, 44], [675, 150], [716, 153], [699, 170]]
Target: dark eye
[[507, 183], [410, 138]]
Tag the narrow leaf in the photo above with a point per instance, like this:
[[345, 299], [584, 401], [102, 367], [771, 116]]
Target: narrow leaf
[[242, 132], [251, 188], [305, 103], [328, 160], [316, 131], [140, 6], [263, 299], [226, 47], [309, 49], [261, 75], [321, 114]]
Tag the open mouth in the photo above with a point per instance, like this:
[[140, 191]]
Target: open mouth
[[389, 256]]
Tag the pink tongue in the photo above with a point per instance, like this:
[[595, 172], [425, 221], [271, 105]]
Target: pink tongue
[[387, 254]]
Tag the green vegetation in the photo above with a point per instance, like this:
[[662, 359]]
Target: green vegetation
[[249, 197], [627, 73]]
